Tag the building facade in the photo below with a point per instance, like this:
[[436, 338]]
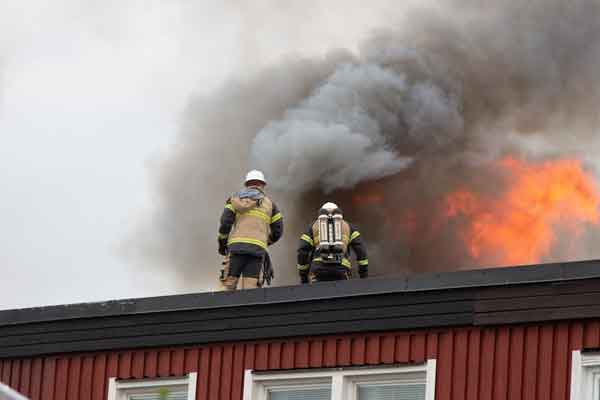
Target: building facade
[[509, 333]]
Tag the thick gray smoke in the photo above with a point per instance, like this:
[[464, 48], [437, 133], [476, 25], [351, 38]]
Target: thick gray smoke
[[354, 127], [425, 105], [442, 80], [209, 163]]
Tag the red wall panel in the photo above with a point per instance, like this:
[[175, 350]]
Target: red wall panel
[[493, 363], [74, 375], [61, 380]]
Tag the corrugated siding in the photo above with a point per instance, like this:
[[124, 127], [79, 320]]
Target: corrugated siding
[[500, 363]]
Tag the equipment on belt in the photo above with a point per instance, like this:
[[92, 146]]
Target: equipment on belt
[[222, 247], [267, 273], [224, 272]]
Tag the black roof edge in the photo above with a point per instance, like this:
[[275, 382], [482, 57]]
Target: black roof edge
[[518, 275]]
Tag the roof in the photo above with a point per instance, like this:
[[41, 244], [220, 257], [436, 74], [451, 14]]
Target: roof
[[523, 294]]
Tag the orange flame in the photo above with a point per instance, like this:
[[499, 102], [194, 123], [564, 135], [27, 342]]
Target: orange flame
[[520, 224]]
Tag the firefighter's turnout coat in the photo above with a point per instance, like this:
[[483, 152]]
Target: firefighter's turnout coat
[[309, 257], [250, 230]]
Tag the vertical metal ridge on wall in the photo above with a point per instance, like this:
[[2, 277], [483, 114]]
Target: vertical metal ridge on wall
[[493, 363]]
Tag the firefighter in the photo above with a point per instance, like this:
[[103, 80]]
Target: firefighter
[[249, 224], [324, 249]]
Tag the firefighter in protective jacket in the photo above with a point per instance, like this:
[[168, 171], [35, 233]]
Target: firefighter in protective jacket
[[324, 249], [249, 224]]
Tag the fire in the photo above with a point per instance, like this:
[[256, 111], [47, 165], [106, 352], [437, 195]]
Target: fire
[[519, 223], [367, 199]]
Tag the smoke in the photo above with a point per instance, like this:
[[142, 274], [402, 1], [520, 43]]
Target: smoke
[[424, 105], [209, 163], [1, 85], [442, 80], [360, 108]]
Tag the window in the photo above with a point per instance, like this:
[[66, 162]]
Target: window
[[6, 393], [585, 376], [414, 382], [183, 388]]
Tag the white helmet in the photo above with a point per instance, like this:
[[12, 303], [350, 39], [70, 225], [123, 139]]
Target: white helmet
[[255, 175], [329, 207]]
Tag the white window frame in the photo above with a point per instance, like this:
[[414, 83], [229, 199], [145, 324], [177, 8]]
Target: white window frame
[[585, 375], [7, 393], [121, 389], [343, 381]]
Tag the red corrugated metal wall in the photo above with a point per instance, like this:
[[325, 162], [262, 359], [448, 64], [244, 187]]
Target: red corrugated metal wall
[[500, 363]]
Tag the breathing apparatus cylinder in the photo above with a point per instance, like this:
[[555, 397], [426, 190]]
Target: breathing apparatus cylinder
[[337, 229], [323, 230], [331, 247]]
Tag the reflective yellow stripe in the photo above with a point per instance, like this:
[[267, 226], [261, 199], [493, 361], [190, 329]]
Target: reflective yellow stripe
[[354, 235], [303, 267], [229, 207], [258, 214], [248, 240], [222, 236], [345, 262], [276, 217], [363, 262], [307, 239]]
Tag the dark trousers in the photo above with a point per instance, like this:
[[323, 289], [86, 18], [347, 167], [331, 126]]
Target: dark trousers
[[328, 272], [248, 265]]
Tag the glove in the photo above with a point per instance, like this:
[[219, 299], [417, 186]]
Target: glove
[[222, 247], [363, 274], [304, 279]]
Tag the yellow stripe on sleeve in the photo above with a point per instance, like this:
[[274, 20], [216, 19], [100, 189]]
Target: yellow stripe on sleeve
[[307, 239]]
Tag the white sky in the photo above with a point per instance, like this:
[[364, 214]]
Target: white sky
[[90, 95]]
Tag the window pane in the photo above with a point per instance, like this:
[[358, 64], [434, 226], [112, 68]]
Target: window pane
[[301, 394], [391, 392], [159, 396]]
